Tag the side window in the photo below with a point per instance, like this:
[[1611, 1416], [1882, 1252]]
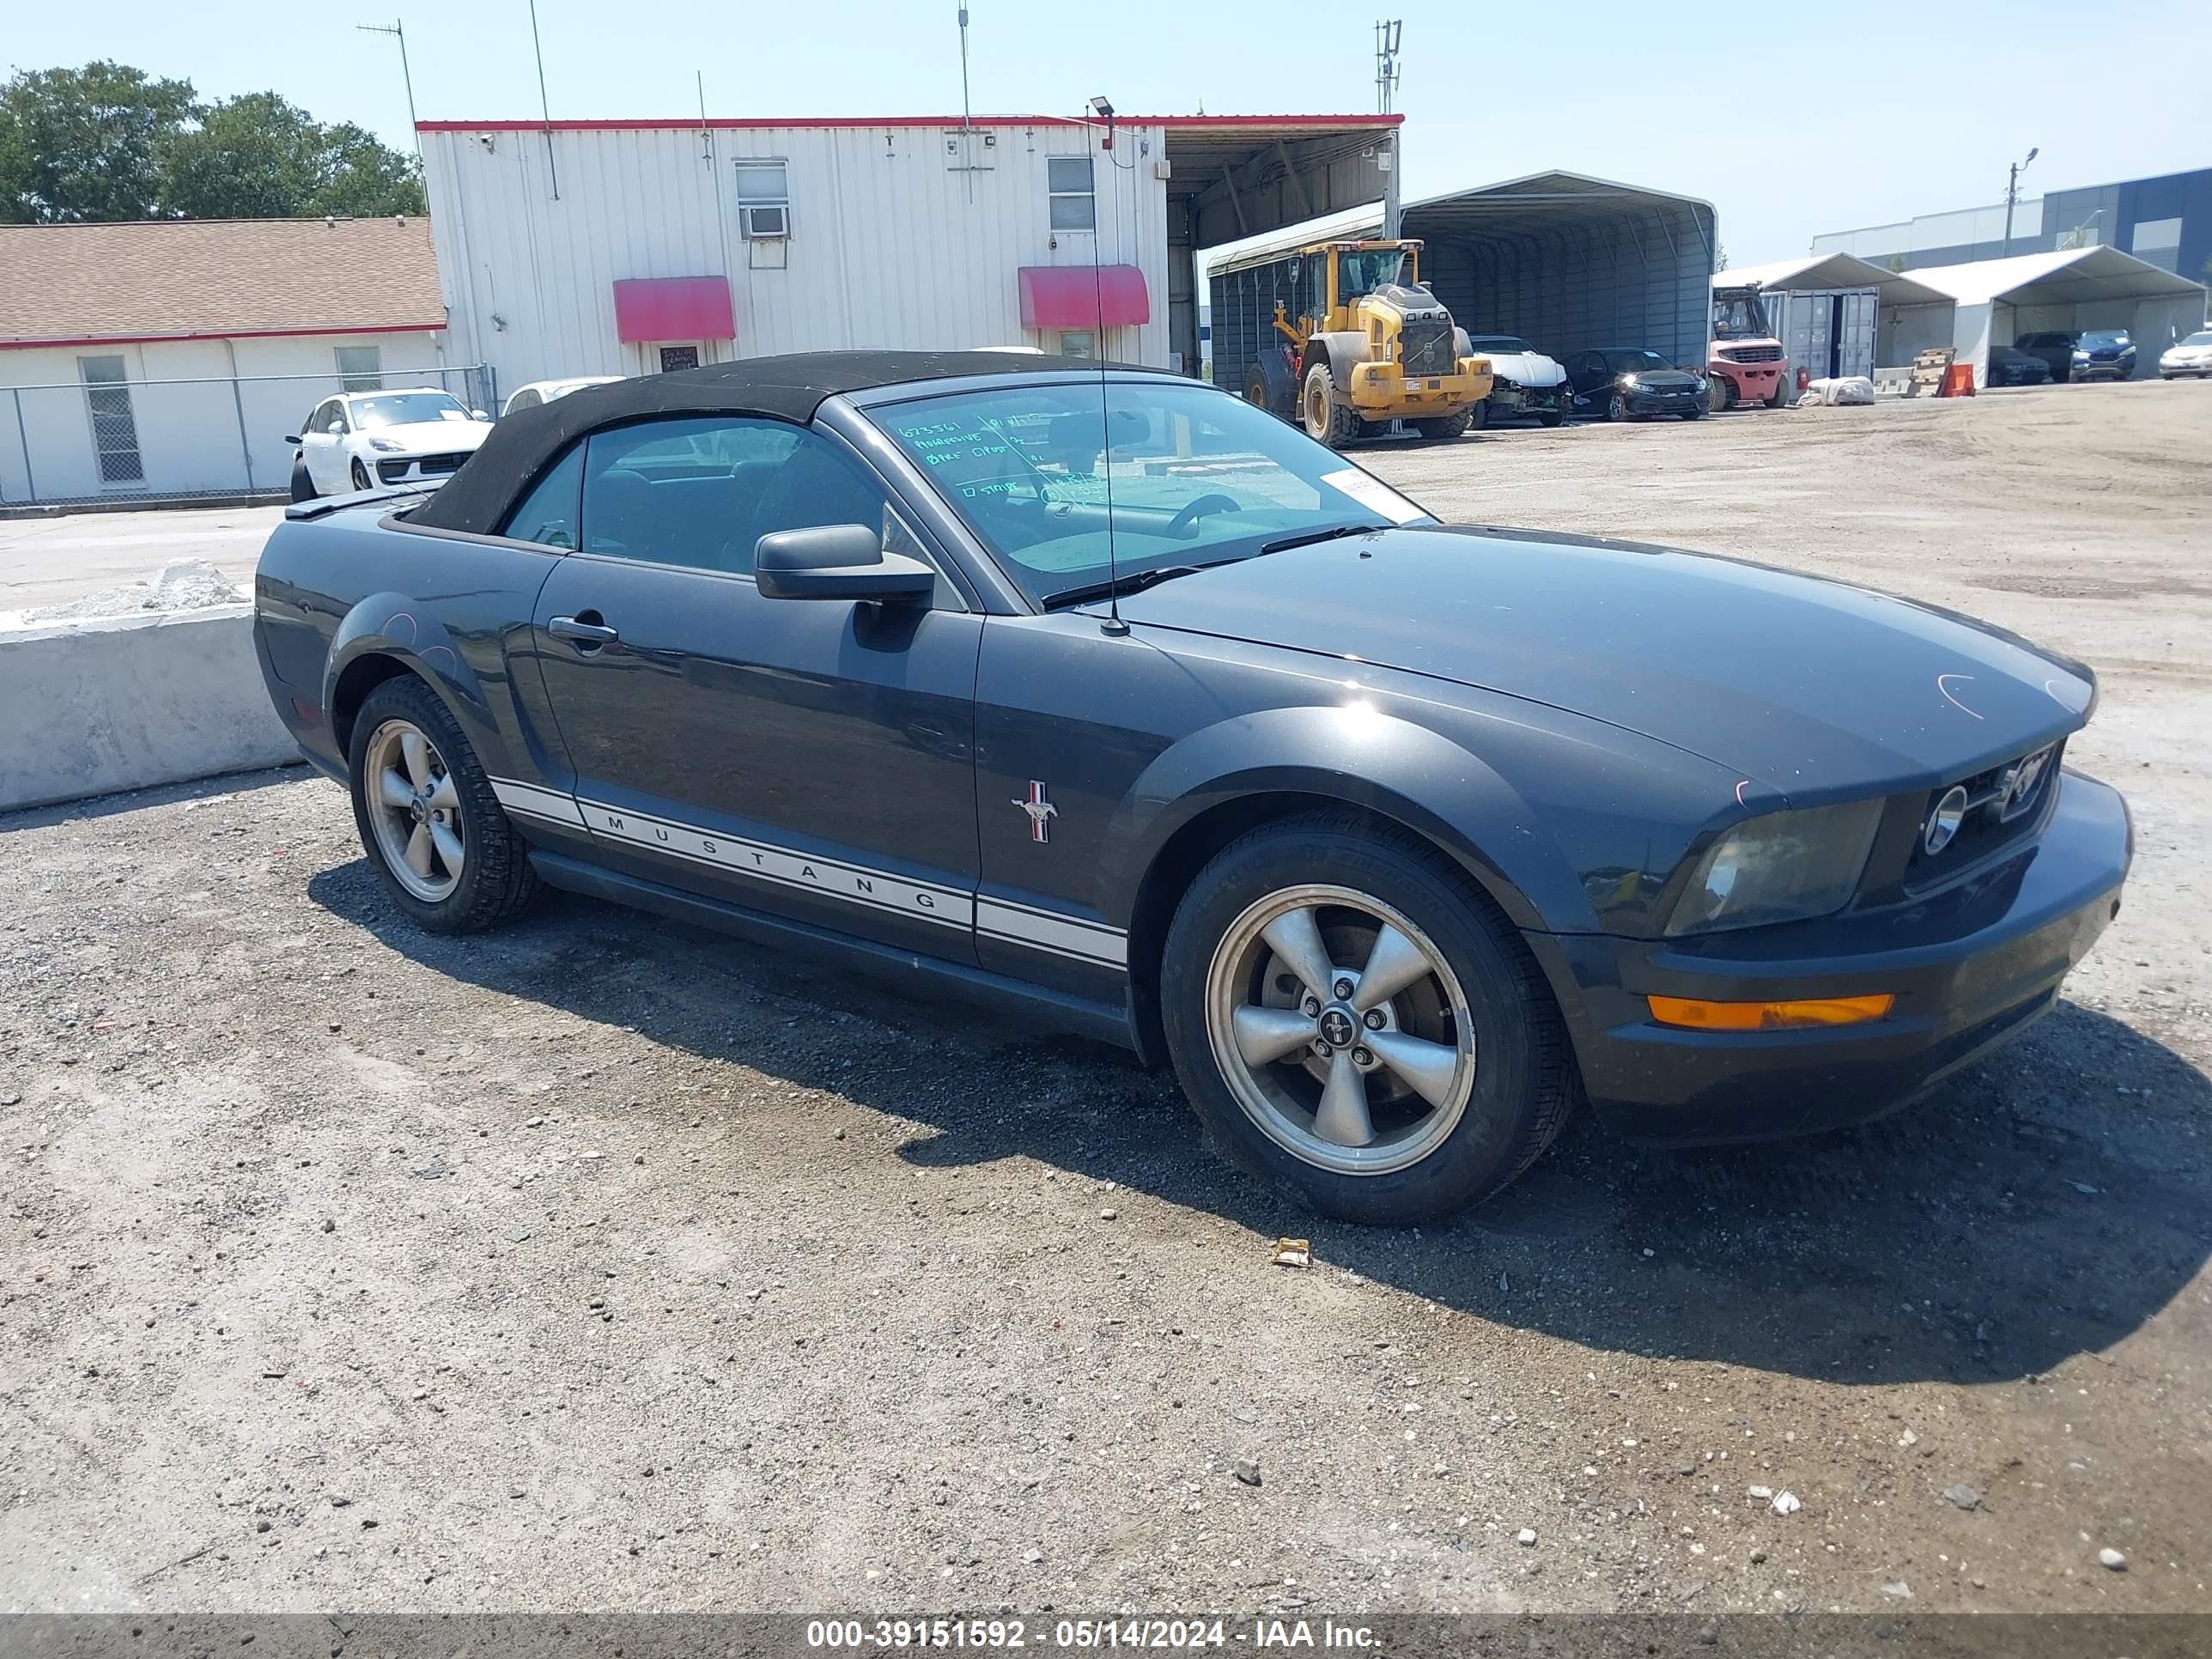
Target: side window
[[701, 492], [336, 422], [525, 398], [548, 514]]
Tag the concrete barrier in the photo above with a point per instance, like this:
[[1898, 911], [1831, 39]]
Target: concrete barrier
[[93, 706]]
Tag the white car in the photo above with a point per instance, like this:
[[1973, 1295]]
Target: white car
[[1524, 381], [362, 440], [2192, 354], [545, 391]]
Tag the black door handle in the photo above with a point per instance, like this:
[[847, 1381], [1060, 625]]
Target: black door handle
[[585, 628]]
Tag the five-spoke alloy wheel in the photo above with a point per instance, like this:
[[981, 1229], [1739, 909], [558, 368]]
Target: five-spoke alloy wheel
[[1355, 1022], [434, 832]]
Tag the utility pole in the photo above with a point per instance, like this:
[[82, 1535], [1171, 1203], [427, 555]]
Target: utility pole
[[399, 33], [2012, 196], [1387, 35]]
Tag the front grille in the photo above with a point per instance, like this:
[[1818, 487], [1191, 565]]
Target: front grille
[[1425, 348], [2003, 806], [1756, 354], [443, 463]]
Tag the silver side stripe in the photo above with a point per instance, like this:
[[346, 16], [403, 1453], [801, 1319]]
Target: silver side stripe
[[1089, 941], [999, 919], [537, 801]]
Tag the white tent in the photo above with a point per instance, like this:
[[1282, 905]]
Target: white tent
[[1995, 301], [1829, 310]]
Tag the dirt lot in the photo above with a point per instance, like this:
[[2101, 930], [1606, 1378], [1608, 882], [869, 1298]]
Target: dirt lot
[[603, 1264]]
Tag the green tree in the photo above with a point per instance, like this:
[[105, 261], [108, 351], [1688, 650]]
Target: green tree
[[79, 144], [258, 157]]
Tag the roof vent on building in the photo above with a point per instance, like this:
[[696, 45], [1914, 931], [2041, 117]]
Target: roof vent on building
[[400, 220], [330, 221]]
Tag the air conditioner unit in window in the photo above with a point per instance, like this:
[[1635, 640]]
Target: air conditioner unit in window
[[765, 221]]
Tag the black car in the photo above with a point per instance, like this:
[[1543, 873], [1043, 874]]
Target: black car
[[1113, 699], [2010, 366], [2055, 348], [1623, 382], [2105, 354]]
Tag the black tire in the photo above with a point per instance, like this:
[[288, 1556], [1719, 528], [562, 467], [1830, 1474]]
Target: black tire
[[1723, 393], [1446, 426], [361, 476], [1781, 398], [1325, 419], [1478, 417], [1523, 1087], [1257, 394], [303, 486], [496, 881], [1696, 413], [1617, 407], [1553, 419]]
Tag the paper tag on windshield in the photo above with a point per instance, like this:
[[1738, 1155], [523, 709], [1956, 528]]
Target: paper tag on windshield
[[1374, 494]]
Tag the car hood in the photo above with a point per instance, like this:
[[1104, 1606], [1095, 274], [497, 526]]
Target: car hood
[[1529, 368], [1664, 379], [433, 437], [1814, 689]]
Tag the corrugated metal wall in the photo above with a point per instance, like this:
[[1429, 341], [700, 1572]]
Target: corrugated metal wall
[[886, 249], [1578, 285]]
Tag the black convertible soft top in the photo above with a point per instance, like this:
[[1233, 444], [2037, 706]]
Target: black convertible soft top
[[787, 388]]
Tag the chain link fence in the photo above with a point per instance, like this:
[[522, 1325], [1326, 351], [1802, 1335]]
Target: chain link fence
[[107, 439]]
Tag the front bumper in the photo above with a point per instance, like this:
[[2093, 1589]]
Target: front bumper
[[1753, 382], [1510, 397], [423, 469], [1380, 388], [2110, 368], [1969, 969], [1643, 401]]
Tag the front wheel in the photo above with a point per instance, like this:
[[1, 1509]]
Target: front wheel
[[1326, 421], [1779, 398], [303, 484], [1722, 394], [1696, 412], [434, 832], [1618, 408], [360, 476], [1355, 1025], [1550, 418]]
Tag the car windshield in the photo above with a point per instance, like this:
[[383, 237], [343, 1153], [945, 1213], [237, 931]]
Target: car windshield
[[1740, 318], [2202, 336], [1635, 362], [405, 408], [1192, 477], [1363, 273], [2104, 336], [1499, 342]]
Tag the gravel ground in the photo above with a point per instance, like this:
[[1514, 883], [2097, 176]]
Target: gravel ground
[[602, 1264]]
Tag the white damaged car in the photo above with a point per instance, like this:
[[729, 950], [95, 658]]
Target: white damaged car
[[363, 440], [1525, 380]]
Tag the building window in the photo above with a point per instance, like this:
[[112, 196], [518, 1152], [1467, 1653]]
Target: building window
[[1077, 343], [360, 368], [114, 428], [1069, 178], [763, 199]]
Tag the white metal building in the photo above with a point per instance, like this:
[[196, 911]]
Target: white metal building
[[626, 247], [168, 358]]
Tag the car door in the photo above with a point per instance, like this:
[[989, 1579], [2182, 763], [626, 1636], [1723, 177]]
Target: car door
[[316, 443], [1586, 374], [811, 758], [338, 455]]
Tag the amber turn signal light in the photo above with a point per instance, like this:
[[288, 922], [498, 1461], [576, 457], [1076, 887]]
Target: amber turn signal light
[[1695, 1014]]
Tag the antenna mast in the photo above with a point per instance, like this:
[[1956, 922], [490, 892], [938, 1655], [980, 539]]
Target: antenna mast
[[1387, 74], [398, 31], [545, 109], [967, 133]]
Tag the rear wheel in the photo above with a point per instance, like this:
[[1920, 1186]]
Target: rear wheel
[[1357, 1027], [1257, 392], [303, 486], [1326, 420], [1446, 426], [433, 830], [360, 476]]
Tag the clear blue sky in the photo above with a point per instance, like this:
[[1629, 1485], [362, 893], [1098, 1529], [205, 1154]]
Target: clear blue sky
[[1792, 119]]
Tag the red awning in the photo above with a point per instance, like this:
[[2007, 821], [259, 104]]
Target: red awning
[[1080, 296], [673, 308]]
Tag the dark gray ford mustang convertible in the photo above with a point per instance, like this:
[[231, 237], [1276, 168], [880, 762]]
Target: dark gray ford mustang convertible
[[1115, 699]]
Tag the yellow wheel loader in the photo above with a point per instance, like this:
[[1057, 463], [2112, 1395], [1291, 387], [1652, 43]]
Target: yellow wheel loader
[[1371, 345]]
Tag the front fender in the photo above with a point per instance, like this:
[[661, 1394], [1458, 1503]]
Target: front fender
[[1404, 772], [388, 624]]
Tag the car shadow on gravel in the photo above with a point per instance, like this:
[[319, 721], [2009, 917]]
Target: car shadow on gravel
[[2043, 1205]]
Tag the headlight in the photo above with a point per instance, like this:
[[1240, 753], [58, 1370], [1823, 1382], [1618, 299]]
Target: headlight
[[387, 445], [2081, 356], [1785, 866], [1628, 379]]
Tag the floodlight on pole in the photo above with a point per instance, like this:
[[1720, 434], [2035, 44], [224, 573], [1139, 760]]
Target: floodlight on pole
[[2012, 194]]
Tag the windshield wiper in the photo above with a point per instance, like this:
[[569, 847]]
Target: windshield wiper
[[1313, 536], [1135, 582]]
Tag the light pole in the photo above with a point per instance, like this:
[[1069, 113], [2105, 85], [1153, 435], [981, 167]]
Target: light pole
[[2012, 195], [400, 33]]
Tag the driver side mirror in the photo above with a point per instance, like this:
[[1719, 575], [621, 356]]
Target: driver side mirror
[[479, 415], [837, 562], [293, 439]]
